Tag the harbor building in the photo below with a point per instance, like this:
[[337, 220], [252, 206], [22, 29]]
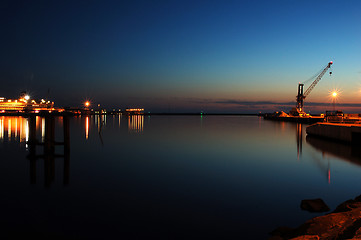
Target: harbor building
[[134, 111]]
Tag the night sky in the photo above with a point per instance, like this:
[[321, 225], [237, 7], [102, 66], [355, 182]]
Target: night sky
[[177, 56]]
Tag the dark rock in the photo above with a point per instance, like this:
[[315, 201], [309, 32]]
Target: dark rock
[[348, 205], [344, 207], [358, 199], [343, 223], [307, 237], [314, 205]]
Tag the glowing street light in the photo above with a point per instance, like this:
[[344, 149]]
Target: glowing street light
[[87, 104]]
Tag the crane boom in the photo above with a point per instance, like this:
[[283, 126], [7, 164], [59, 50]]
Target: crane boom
[[309, 89], [301, 96]]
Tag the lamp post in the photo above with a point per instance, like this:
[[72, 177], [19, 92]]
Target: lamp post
[[87, 104]]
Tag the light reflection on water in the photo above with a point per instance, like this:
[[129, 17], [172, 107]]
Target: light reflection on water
[[86, 127], [135, 123], [16, 129], [168, 176], [13, 129]]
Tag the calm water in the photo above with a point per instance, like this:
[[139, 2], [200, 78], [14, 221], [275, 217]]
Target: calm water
[[167, 177]]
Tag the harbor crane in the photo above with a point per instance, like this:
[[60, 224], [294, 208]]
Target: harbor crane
[[302, 95]]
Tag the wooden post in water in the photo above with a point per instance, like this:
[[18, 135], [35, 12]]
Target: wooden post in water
[[66, 130], [32, 142], [66, 134], [49, 150], [32, 135], [49, 144]]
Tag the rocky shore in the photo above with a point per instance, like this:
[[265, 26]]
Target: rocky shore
[[343, 223]]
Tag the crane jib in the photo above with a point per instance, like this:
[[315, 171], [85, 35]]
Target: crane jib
[[309, 89], [301, 95]]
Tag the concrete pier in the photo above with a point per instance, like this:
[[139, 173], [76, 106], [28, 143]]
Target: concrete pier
[[336, 131]]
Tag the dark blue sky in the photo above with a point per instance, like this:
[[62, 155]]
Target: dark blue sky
[[230, 56]]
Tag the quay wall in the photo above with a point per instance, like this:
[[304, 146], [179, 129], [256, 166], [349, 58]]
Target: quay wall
[[336, 131]]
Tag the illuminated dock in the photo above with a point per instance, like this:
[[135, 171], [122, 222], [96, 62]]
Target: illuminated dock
[[336, 131], [25, 105], [281, 116]]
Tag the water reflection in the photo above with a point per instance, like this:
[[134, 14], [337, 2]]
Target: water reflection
[[205, 176], [299, 140], [14, 129], [135, 123], [42, 129], [37, 132], [320, 163], [48, 144], [346, 152], [330, 149], [86, 127], [100, 121]]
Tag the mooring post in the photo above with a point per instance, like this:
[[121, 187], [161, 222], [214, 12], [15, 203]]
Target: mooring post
[[32, 148], [49, 143], [32, 135], [49, 149], [66, 130]]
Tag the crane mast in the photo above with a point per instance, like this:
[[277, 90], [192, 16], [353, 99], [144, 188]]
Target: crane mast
[[301, 96]]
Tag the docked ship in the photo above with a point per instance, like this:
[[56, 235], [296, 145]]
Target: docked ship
[[25, 104]]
